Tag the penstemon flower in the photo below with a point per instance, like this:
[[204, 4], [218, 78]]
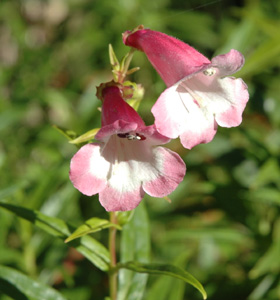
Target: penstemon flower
[[199, 96], [126, 163]]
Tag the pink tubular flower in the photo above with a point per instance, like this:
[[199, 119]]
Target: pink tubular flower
[[125, 164], [198, 97]]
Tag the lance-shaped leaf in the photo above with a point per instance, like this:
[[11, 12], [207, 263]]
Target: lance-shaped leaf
[[20, 286], [134, 245], [69, 134], [90, 226], [89, 135], [93, 250], [163, 269]]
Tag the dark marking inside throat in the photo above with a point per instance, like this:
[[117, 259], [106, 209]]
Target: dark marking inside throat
[[132, 136]]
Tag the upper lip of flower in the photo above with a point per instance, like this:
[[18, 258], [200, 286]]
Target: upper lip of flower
[[202, 68]]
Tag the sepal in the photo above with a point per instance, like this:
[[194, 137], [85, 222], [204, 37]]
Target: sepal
[[89, 135], [124, 217], [133, 93], [121, 69], [69, 134]]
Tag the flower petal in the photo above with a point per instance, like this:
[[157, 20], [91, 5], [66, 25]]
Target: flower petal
[[154, 137], [238, 98], [88, 170], [130, 163], [177, 113], [113, 199], [193, 108], [200, 128], [202, 132], [170, 113], [114, 108], [224, 98], [228, 63], [171, 171], [135, 163]]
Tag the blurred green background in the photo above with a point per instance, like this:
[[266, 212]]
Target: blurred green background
[[223, 224]]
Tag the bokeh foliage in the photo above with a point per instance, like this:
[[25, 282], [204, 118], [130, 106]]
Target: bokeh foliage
[[223, 224]]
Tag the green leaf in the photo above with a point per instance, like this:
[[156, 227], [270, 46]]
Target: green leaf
[[69, 134], [268, 173], [166, 287], [89, 135], [262, 288], [88, 246], [269, 263], [90, 226], [10, 256], [11, 190], [230, 235], [53, 226], [239, 38], [94, 251], [20, 284], [164, 269], [262, 58], [11, 116], [135, 245], [266, 195]]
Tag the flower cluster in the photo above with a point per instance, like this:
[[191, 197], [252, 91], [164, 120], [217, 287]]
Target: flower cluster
[[126, 160]]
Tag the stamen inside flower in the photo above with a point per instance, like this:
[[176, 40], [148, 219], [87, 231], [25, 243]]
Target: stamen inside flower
[[132, 136], [196, 98]]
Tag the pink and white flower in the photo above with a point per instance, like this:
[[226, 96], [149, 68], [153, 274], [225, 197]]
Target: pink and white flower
[[199, 96], [125, 164]]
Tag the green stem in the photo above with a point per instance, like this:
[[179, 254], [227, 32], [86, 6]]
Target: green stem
[[113, 276]]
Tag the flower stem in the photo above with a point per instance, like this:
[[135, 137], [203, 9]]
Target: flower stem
[[113, 276]]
